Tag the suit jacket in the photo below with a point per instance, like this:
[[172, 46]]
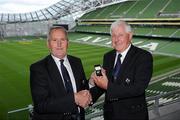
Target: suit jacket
[[125, 98], [51, 102]]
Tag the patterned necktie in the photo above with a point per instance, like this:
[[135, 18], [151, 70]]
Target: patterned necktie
[[117, 67], [67, 80]]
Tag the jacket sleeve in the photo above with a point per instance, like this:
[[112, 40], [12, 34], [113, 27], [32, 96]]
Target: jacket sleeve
[[141, 76], [43, 101], [85, 81], [96, 92]]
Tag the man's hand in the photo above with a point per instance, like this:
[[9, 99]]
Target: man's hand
[[83, 98], [101, 81]]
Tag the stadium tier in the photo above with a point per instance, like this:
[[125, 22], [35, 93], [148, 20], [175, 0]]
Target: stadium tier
[[148, 31], [148, 18], [137, 9]]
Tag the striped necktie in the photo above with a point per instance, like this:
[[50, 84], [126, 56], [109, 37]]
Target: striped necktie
[[67, 80], [117, 67]]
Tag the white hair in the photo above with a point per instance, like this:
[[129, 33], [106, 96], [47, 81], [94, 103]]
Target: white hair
[[118, 23]]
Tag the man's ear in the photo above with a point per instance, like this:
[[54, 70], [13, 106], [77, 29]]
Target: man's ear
[[130, 35], [68, 43]]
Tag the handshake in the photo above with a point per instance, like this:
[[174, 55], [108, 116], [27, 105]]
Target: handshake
[[83, 98]]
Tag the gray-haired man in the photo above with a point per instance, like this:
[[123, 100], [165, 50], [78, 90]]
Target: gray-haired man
[[126, 73]]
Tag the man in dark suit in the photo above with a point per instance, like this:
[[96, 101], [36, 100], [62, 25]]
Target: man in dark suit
[[58, 84], [126, 73]]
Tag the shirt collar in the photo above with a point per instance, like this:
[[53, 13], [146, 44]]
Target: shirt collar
[[57, 59], [124, 52]]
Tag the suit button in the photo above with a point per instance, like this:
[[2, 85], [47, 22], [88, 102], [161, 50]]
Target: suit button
[[133, 107]]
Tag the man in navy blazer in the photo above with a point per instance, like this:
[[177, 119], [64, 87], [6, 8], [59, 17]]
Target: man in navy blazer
[[126, 73], [56, 96]]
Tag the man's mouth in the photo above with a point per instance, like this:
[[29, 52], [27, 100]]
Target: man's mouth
[[59, 48]]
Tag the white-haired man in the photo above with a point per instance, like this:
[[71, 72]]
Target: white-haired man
[[126, 73]]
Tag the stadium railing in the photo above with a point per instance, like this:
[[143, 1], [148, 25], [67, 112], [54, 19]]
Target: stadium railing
[[155, 107]]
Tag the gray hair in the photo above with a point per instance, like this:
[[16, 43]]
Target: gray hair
[[118, 23], [56, 28]]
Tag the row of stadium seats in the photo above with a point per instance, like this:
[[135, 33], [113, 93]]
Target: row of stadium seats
[[136, 9], [149, 31]]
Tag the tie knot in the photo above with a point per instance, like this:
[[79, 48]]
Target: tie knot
[[62, 60], [119, 55]]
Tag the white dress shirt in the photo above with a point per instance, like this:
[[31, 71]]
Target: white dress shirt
[[124, 53], [68, 67]]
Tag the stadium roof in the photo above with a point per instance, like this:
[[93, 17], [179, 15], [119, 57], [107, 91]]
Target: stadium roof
[[55, 11]]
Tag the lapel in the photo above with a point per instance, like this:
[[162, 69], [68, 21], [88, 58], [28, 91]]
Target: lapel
[[74, 67], [126, 62], [113, 60], [54, 74], [111, 64]]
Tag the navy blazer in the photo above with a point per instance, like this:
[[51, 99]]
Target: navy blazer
[[125, 98], [48, 92]]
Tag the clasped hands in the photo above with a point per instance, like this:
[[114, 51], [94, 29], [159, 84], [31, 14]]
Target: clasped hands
[[83, 98]]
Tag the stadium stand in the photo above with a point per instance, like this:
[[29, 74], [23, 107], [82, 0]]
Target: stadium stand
[[135, 9], [143, 15]]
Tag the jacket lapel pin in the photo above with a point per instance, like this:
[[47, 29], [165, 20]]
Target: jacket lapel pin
[[127, 80]]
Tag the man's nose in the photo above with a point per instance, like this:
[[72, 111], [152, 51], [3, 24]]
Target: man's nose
[[58, 43], [116, 39]]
